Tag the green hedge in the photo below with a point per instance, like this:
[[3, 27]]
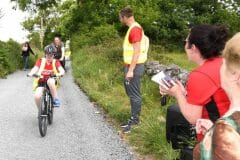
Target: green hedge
[[10, 57]]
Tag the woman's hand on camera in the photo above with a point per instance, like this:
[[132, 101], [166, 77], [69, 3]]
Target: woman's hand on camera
[[203, 125], [171, 88]]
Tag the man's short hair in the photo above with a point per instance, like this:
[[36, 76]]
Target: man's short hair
[[127, 12]]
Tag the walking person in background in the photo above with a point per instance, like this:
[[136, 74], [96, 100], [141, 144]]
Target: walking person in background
[[26, 49], [135, 47], [60, 50]]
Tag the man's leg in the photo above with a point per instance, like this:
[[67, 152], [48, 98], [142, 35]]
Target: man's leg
[[132, 88]]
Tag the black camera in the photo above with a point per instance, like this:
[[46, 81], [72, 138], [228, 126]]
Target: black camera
[[163, 100]]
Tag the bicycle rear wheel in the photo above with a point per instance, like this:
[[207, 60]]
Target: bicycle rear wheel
[[42, 119]]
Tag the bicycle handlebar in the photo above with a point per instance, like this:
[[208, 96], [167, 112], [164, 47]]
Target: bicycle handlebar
[[41, 76]]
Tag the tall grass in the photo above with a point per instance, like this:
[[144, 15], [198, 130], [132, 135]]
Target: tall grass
[[98, 71]]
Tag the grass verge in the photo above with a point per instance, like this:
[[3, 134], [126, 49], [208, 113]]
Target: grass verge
[[98, 71]]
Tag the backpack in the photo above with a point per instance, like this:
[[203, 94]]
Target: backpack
[[146, 39]]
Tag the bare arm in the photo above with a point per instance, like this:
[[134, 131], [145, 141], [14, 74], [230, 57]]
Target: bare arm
[[61, 71], [30, 50], [33, 71], [136, 54], [63, 53], [191, 112]]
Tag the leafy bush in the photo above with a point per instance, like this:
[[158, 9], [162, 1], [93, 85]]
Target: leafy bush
[[10, 57], [94, 36], [3, 61]]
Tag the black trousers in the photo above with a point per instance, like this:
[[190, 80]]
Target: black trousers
[[179, 131], [173, 120], [132, 88], [63, 63]]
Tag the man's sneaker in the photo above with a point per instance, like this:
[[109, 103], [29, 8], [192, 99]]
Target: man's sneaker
[[126, 123], [130, 122], [56, 103], [127, 129]]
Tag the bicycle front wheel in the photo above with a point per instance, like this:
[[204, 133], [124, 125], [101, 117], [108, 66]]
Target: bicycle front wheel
[[42, 119], [50, 110]]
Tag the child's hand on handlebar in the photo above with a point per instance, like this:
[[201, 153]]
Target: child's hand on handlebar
[[29, 75], [59, 75]]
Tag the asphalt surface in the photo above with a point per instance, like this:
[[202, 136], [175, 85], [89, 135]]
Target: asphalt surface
[[78, 132]]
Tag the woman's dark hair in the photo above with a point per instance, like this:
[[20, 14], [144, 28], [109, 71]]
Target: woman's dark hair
[[27, 43], [209, 39]]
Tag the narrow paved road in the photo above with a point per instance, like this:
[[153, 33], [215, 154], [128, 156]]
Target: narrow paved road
[[77, 132]]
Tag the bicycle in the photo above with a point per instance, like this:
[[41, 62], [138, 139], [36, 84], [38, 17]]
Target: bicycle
[[46, 105]]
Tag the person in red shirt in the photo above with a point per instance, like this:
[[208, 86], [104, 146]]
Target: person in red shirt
[[203, 97], [222, 140], [134, 56], [45, 66]]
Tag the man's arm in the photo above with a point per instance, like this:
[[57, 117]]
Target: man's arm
[[136, 54]]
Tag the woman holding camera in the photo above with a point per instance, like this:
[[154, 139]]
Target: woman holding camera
[[203, 96], [222, 141]]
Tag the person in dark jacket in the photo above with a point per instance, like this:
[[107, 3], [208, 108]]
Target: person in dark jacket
[[60, 54], [26, 49]]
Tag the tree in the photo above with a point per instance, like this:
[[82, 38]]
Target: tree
[[35, 5], [42, 11], [1, 13], [166, 22]]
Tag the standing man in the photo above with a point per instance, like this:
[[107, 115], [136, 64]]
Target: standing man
[[135, 47], [60, 50]]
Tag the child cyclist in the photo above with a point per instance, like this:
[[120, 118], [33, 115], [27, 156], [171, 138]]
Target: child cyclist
[[47, 66]]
